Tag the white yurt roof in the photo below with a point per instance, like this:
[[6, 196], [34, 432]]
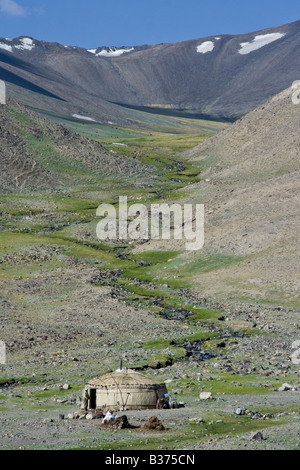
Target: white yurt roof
[[123, 377]]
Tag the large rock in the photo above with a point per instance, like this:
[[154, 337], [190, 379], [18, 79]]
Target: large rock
[[285, 387], [258, 437], [119, 423], [205, 396]]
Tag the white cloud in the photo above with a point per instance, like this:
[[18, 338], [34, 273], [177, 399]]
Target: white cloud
[[12, 8]]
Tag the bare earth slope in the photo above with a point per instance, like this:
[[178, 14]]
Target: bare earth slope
[[250, 189], [253, 198]]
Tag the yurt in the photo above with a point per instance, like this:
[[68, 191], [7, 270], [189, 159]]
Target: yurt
[[124, 389]]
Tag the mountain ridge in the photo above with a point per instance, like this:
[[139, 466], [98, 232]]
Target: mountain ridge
[[224, 76]]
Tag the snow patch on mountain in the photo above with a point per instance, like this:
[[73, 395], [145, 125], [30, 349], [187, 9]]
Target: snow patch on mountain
[[6, 47], [84, 118], [113, 52], [205, 47], [26, 44], [259, 41]]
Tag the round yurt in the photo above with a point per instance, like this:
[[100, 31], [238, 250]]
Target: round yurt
[[124, 390]]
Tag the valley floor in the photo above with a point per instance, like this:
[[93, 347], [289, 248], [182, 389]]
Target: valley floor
[[72, 307]]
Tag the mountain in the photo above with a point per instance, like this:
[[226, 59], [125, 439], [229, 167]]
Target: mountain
[[221, 77], [250, 188]]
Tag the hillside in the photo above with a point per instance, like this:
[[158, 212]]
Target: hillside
[[222, 77], [250, 188], [38, 154]]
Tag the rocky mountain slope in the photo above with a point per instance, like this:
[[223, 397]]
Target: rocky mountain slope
[[250, 188], [38, 154], [224, 76]]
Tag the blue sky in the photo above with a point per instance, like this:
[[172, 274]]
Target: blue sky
[[93, 23]]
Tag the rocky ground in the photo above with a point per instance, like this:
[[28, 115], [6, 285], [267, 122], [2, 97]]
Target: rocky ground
[[87, 328]]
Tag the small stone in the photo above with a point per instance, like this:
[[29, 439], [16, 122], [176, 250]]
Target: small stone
[[47, 420], [177, 391], [240, 411]]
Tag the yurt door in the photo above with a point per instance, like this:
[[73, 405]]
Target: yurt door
[[92, 398]]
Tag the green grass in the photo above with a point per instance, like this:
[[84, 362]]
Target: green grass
[[204, 264], [169, 351], [227, 384], [14, 380], [162, 359], [201, 314]]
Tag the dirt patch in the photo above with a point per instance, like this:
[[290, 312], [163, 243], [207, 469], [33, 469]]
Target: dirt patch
[[154, 424]]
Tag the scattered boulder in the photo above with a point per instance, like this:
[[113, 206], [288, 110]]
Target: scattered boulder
[[197, 420], [205, 396], [48, 420], [285, 387], [120, 423], [258, 437], [80, 414], [66, 387]]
